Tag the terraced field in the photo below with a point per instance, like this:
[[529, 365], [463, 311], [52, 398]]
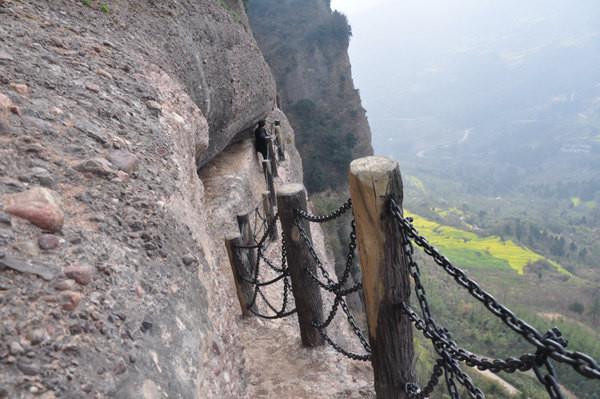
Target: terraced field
[[467, 249]]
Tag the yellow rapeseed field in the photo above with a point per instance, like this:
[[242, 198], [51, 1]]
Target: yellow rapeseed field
[[467, 249]]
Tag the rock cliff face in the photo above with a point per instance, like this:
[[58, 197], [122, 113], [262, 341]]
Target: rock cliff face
[[124, 160], [306, 45], [110, 283]]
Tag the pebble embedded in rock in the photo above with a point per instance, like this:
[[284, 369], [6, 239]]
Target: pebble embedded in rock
[[92, 87], [153, 105], [45, 271], [96, 166], [81, 274], [15, 110], [48, 241], [20, 88], [188, 259], [124, 160], [39, 205], [36, 336], [28, 368], [104, 73], [139, 291], [65, 285], [75, 329], [70, 300], [16, 349]]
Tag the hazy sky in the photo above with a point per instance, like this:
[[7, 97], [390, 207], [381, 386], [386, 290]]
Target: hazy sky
[[356, 6], [454, 64]]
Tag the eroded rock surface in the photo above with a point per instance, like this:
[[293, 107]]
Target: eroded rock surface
[[112, 112], [129, 294]]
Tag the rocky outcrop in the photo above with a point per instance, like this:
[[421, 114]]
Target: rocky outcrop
[[306, 46], [114, 282], [106, 262], [206, 45]]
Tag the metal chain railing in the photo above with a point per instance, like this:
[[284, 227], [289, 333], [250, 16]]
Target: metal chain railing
[[325, 218], [260, 230], [331, 285], [281, 271], [550, 346]]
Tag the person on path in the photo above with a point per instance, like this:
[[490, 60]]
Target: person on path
[[262, 139]]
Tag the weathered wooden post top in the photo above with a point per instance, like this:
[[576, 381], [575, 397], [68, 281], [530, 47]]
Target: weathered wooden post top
[[307, 294], [386, 280]]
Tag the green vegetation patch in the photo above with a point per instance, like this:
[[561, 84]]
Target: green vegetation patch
[[576, 201], [467, 249], [449, 212]]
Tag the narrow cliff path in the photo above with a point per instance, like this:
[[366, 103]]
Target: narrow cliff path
[[279, 367], [272, 363]]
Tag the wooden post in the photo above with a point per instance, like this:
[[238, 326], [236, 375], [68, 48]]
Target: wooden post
[[247, 235], [273, 158], [241, 266], [386, 279], [269, 180], [306, 291], [269, 211]]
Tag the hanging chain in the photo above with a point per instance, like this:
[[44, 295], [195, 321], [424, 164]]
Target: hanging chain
[[282, 274], [326, 218], [330, 285], [413, 390], [550, 346]]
